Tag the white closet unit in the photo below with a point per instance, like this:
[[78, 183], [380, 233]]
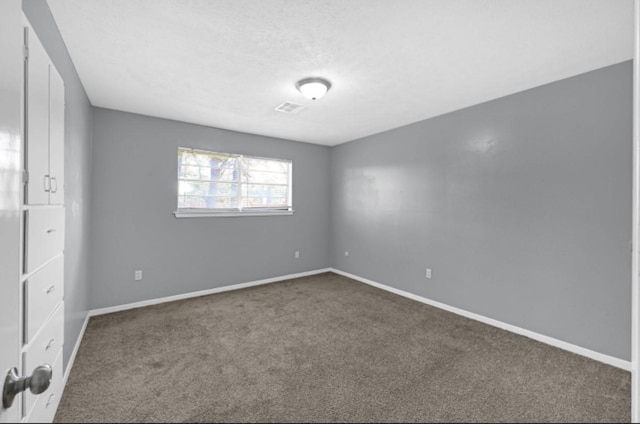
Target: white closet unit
[[44, 126], [43, 227]]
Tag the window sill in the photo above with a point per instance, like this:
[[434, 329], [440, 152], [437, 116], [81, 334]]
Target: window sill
[[182, 214]]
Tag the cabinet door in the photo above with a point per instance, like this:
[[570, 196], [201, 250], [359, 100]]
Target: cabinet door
[[42, 293], [56, 136], [37, 121], [44, 236]]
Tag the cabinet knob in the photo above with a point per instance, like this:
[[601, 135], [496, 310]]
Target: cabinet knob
[[50, 289]]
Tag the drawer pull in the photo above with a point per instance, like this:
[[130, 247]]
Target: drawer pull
[[49, 399], [51, 230], [50, 344], [50, 289]]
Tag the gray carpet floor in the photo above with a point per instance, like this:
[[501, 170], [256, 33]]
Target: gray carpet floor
[[326, 349]]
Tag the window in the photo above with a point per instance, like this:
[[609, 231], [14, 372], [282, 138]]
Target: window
[[223, 184]]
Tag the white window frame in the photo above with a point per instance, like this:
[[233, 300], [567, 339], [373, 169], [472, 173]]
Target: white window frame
[[227, 213]]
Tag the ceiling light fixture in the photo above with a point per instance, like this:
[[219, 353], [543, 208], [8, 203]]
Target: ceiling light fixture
[[313, 88]]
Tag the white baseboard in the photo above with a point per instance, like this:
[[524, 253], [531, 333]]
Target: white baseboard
[[610, 360], [601, 357], [72, 359], [111, 309]]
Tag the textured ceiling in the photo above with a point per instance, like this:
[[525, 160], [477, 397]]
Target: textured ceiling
[[229, 63]]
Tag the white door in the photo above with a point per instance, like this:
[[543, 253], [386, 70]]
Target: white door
[[11, 81], [635, 277]]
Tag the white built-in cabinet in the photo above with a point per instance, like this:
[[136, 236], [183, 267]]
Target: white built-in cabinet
[[43, 227], [44, 127]]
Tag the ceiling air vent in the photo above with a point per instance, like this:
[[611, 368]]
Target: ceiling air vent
[[288, 107]]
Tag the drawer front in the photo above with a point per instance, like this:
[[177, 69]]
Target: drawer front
[[44, 236], [43, 350], [43, 291], [46, 404]]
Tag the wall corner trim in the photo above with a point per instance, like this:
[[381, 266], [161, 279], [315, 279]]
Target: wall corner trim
[[597, 356]]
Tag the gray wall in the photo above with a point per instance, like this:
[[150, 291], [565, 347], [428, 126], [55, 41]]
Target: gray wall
[[135, 193], [521, 206], [78, 153]]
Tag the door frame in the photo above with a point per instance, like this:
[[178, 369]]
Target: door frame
[[11, 142], [635, 242]]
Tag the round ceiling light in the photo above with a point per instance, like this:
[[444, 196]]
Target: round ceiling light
[[313, 88]]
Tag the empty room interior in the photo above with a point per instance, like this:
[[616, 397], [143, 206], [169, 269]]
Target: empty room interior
[[318, 211]]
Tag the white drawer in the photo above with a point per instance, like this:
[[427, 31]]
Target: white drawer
[[43, 350], [46, 403], [44, 236], [43, 291]]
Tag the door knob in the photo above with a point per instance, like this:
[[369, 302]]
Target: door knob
[[38, 382]]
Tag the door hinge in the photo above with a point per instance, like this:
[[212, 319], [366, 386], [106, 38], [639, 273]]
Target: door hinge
[[25, 176]]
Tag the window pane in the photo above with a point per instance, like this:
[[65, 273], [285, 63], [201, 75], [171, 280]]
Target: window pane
[[207, 189], [206, 173], [209, 180], [191, 202], [265, 202], [200, 158], [255, 190], [202, 173], [260, 164], [267, 177], [207, 202]]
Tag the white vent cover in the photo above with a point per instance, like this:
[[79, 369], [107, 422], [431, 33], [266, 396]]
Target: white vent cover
[[288, 107]]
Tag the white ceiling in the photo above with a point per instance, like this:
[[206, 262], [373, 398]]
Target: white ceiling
[[229, 63]]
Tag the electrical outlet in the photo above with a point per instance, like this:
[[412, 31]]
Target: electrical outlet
[[296, 255], [428, 273], [346, 253], [137, 275]]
